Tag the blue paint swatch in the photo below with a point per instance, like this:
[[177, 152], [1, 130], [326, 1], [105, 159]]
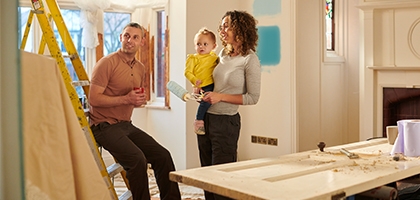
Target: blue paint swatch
[[266, 7], [268, 49]]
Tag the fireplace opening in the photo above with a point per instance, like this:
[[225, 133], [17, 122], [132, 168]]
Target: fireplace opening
[[398, 104]]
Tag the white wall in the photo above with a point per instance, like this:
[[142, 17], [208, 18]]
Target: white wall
[[275, 115], [304, 98], [196, 19], [327, 83], [271, 117], [168, 127]]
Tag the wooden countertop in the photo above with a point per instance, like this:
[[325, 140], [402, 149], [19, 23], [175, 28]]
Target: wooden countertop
[[305, 175]]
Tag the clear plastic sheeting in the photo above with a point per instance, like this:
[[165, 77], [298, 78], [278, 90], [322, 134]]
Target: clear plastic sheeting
[[130, 5], [90, 18], [92, 11], [93, 5]]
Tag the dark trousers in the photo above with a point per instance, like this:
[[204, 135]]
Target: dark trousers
[[220, 143], [133, 149], [204, 106]]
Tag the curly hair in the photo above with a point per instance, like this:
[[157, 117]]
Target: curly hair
[[244, 27]]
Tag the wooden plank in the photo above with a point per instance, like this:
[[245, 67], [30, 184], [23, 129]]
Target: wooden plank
[[305, 175]]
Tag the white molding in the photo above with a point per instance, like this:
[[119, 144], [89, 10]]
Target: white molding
[[293, 94], [394, 68], [381, 4]]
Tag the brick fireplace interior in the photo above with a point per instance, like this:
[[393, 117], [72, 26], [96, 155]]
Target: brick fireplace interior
[[400, 103]]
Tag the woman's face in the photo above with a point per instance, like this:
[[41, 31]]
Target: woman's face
[[226, 31]]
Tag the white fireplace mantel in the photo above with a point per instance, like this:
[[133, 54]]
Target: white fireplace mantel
[[394, 68], [391, 56]]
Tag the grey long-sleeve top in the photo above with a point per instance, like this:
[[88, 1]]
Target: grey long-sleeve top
[[236, 75]]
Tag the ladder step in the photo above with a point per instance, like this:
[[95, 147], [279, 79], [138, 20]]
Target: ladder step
[[126, 196], [114, 169], [80, 83]]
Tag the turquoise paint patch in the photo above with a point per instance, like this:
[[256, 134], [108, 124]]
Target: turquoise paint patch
[[266, 7], [268, 49]]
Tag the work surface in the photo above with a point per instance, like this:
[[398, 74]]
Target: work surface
[[305, 175]]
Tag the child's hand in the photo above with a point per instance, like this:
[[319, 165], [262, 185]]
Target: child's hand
[[197, 88], [197, 83]]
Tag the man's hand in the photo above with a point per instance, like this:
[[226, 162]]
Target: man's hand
[[137, 97]]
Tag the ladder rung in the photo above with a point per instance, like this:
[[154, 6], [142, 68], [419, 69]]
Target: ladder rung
[[125, 196], [114, 169], [80, 83], [37, 11], [64, 55]]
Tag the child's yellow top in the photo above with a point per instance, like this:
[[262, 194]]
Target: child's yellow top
[[200, 67]]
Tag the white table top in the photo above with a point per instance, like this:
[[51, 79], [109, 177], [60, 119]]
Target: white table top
[[305, 175]]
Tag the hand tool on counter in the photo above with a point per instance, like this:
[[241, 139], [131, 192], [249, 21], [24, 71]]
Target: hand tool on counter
[[349, 154]]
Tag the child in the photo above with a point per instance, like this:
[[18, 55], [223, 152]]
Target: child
[[199, 69]]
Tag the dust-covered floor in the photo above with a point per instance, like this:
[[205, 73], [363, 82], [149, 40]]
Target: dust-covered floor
[[187, 192]]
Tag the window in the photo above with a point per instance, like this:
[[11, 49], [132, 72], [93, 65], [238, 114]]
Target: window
[[72, 20], [113, 25], [329, 24], [23, 13], [161, 54], [160, 62]]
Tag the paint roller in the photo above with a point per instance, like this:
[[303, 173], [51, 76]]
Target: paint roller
[[181, 92]]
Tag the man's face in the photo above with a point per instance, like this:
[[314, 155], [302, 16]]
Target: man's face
[[131, 39]]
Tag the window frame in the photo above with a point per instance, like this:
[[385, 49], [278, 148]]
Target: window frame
[[155, 101], [337, 54]]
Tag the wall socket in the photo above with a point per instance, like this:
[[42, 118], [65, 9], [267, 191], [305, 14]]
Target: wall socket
[[264, 140]]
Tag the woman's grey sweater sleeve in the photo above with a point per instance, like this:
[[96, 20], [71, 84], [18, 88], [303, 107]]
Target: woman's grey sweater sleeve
[[252, 80]]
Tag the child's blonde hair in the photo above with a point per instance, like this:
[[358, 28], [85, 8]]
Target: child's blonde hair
[[206, 31]]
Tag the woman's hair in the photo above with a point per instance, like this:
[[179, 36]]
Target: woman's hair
[[206, 31], [244, 27]]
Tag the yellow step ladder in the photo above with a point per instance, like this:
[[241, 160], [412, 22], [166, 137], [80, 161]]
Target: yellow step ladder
[[49, 39]]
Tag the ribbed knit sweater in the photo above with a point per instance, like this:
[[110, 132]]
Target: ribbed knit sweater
[[236, 75]]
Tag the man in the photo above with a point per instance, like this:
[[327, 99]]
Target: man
[[114, 92]]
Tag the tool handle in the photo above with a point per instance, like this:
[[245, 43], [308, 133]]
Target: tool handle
[[342, 150]]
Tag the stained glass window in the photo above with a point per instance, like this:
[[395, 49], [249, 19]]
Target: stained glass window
[[329, 24]]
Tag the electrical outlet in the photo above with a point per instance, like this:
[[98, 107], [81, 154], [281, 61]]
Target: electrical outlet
[[272, 141], [254, 139], [262, 140]]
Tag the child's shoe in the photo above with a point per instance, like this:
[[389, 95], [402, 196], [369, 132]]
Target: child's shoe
[[199, 127]]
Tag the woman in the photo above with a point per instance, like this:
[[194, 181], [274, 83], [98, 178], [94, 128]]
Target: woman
[[237, 80]]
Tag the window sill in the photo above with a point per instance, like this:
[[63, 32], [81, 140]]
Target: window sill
[[157, 105], [333, 57]]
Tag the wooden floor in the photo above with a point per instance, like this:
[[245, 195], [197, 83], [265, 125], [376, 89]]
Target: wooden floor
[[187, 192]]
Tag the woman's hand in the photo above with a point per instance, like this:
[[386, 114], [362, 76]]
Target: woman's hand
[[212, 97]]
